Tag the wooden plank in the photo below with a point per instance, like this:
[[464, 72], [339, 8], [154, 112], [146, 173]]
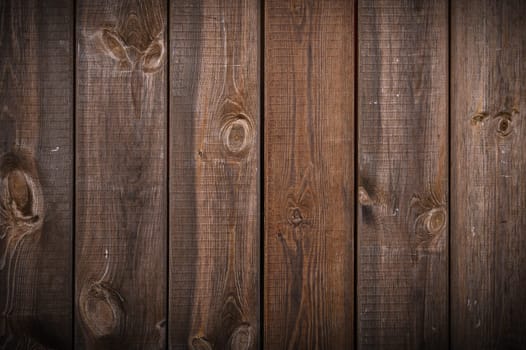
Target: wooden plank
[[403, 174], [121, 174], [36, 174], [488, 201], [309, 174], [214, 177]]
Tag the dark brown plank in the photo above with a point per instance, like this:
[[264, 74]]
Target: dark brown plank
[[121, 174], [309, 174], [36, 174], [403, 172], [214, 177], [488, 199]]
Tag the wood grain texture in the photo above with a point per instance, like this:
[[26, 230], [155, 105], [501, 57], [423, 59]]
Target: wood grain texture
[[214, 177], [403, 174], [488, 201], [36, 139], [121, 174], [309, 174]]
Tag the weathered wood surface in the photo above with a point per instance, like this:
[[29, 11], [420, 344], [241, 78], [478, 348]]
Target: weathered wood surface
[[488, 199], [403, 175], [184, 270], [121, 190], [309, 174], [214, 174], [36, 139]]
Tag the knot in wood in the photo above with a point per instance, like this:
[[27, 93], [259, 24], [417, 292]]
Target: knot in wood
[[435, 220], [504, 126], [148, 56], [19, 192], [101, 309], [200, 343], [242, 338], [479, 117], [21, 201], [295, 217], [237, 134], [363, 197]]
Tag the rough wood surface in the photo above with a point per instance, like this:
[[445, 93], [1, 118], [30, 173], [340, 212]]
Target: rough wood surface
[[309, 174], [403, 171], [488, 199], [36, 119], [214, 176], [121, 174]]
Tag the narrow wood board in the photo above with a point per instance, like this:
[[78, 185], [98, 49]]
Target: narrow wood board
[[403, 174], [36, 174], [309, 174], [488, 174], [121, 175], [214, 174]]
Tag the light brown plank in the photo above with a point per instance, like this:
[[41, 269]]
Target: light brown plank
[[403, 174], [214, 176], [36, 174], [121, 174], [488, 200], [309, 174]]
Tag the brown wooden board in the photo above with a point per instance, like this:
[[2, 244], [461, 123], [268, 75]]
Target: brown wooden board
[[214, 174], [36, 174], [121, 189], [403, 175], [488, 175], [309, 174]]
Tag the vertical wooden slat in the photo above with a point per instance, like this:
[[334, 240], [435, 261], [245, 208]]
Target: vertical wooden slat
[[488, 199], [403, 174], [121, 174], [214, 176], [309, 174], [36, 173]]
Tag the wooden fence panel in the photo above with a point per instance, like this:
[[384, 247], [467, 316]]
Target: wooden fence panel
[[214, 174], [36, 174], [121, 174], [403, 175], [309, 174], [488, 174], [148, 167]]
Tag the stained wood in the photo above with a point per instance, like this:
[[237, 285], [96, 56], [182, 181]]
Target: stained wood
[[403, 175], [488, 201], [214, 174], [309, 174], [36, 119], [121, 175]]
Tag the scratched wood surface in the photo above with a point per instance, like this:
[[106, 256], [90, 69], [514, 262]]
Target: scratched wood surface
[[214, 174], [403, 171], [309, 172], [488, 201], [121, 190], [36, 139]]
